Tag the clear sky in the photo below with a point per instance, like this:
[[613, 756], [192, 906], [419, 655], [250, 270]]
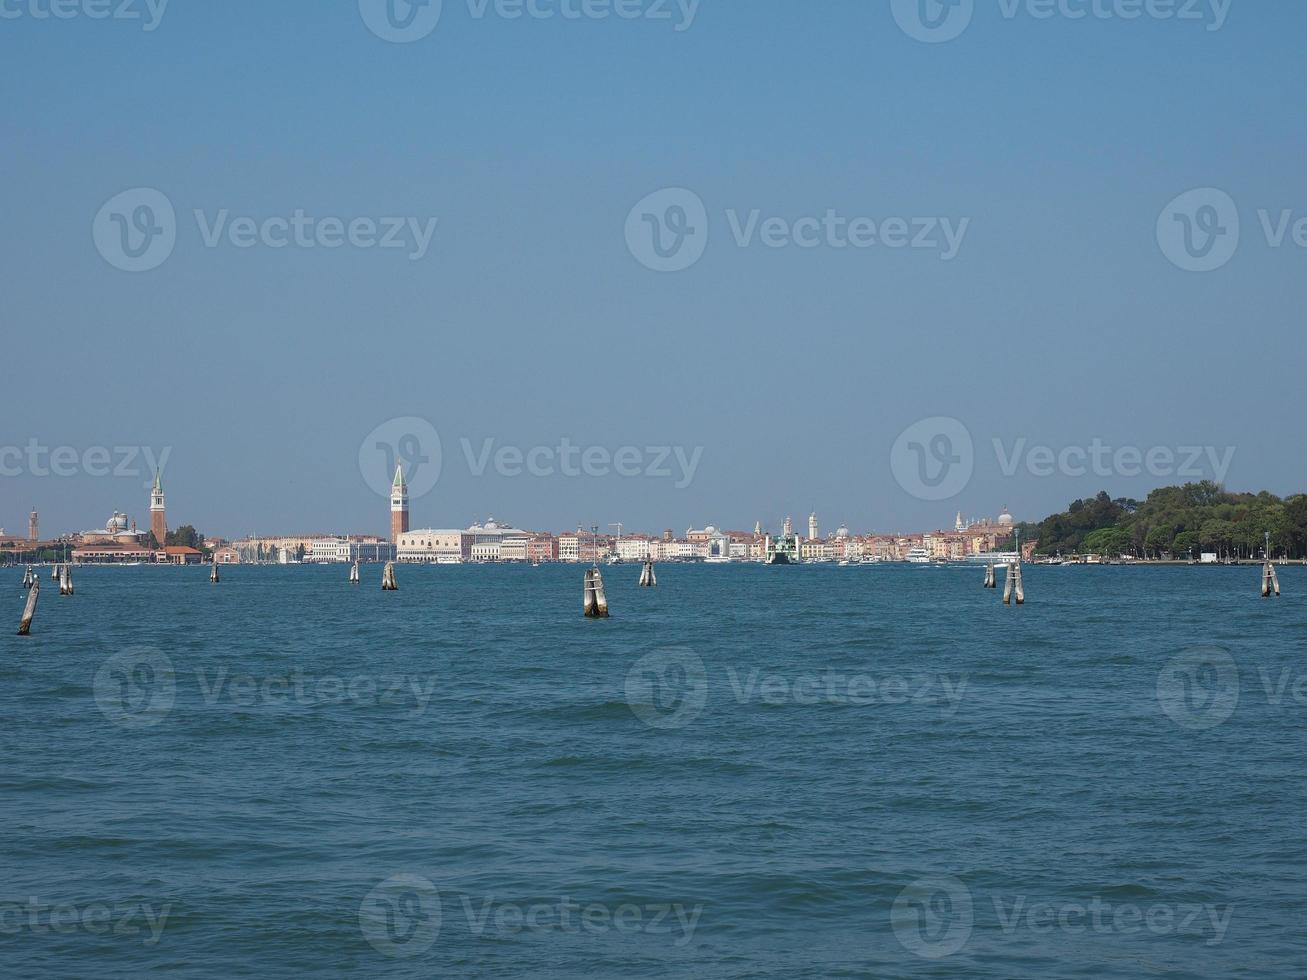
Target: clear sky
[[531, 315]]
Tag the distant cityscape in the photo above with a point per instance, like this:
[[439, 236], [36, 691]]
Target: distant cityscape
[[121, 541]]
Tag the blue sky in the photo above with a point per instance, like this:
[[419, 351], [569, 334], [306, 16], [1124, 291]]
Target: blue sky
[[530, 319]]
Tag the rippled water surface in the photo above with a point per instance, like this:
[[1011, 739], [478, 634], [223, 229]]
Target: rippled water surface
[[746, 772]]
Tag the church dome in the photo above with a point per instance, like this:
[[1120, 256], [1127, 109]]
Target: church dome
[[1005, 519], [842, 531]]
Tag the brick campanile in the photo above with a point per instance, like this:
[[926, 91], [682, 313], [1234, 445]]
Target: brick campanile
[[33, 526], [398, 506], [158, 518]]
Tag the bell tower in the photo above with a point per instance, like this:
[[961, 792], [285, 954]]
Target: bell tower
[[398, 505], [33, 523], [158, 518]]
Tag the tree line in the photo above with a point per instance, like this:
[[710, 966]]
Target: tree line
[[1177, 522]]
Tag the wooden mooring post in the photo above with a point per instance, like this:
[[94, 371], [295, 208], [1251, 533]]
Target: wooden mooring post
[[25, 624]]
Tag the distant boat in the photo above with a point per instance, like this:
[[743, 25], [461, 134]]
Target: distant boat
[[779, 558], [919, 556]]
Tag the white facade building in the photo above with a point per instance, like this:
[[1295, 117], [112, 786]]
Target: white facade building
[[432, 547]]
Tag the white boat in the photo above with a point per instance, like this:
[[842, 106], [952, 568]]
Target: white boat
[[919, 556]]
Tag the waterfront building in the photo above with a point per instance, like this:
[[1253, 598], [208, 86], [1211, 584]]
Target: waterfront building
[[489, 539], [569, 546], [513, 547], [542, 547], [178, 555], [634, 547], [347, 550], [433, 547], [117, 530]]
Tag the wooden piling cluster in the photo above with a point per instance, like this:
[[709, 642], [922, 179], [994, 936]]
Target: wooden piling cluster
[[29, 578], [25, 624], [596, 602], [66, 579], [354, 574], [388, 583], [213, 573], [1014, 587], [648, 579], [991, 578], [1270, 581]]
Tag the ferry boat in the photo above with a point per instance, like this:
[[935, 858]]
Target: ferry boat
[[919, 556]]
